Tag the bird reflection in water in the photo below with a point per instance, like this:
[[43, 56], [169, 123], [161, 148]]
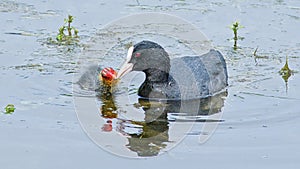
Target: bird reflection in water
[[150, 136]]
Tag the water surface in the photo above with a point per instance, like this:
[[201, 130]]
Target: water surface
[[260, 113]]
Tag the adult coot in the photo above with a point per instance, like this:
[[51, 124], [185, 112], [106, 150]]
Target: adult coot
[[186, 77]]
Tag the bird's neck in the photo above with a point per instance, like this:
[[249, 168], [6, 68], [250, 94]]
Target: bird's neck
[[154, 83], [156, 75]]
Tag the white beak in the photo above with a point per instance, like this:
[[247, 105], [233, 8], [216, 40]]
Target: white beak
[[126, 67]]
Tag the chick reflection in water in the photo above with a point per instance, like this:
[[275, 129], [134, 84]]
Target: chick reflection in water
[[108, 109], [150, 136], [146, 137]]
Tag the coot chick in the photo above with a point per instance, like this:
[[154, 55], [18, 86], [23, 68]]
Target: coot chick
[[97, 79], [107, 76], [186, 77]]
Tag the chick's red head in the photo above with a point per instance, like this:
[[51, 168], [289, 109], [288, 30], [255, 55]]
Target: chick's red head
[[108, 74]]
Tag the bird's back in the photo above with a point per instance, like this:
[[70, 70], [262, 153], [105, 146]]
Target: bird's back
[[198, 76]]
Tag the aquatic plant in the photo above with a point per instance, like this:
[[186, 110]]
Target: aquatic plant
[[9, 109], [67, 34], [286, 72], [235, 27]]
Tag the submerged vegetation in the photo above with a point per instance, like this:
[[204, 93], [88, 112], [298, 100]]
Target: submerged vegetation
[[285, 72], [235, 27]]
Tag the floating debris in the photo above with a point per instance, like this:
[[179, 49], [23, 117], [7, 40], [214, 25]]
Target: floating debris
[[39, 67], [258, 56], [21, 33]]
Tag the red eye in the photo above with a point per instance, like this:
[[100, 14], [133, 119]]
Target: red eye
[[137, 55]]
